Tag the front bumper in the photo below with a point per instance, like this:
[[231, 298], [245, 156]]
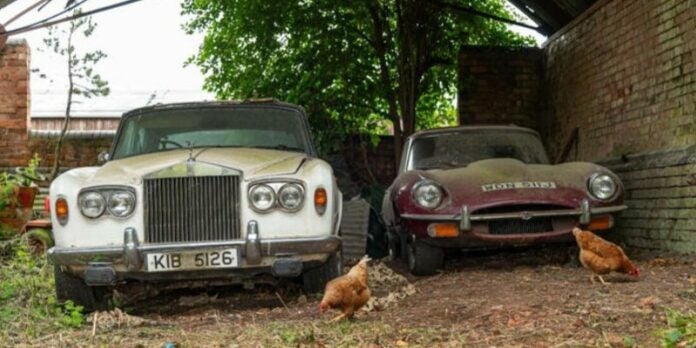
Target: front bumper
[[584, 214], [275, 256], [474, 230]]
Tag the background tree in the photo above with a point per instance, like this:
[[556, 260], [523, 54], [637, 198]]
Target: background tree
[[83, 81], [356, 66]]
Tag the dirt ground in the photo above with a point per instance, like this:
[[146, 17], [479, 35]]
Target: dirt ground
[[521, 298]]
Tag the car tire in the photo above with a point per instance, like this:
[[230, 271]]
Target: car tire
[[424, 259], [72, 288], [314, 280]]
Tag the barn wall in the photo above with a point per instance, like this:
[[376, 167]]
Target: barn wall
[[624, 74], [499, 85]]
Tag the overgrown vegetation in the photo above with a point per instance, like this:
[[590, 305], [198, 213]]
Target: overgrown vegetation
[[356, 66], [21, 177], [681, 329], [28, 306]]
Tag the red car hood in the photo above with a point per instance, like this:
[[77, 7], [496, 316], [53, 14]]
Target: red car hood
[[498, 182]]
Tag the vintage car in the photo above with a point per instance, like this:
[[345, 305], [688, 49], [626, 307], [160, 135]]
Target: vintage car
[[209, 192], [486, 187]]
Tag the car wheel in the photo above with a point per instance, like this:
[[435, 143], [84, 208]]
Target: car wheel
[[72, 288], [424, 259], [314, 280]]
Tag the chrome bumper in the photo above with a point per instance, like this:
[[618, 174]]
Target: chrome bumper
[[584, 214], [253, 249]]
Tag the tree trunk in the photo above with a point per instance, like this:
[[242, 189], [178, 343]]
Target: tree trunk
[[380, 30], [66, 123]]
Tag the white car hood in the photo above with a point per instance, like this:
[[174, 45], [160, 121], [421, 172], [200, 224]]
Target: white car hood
[[253, 163]]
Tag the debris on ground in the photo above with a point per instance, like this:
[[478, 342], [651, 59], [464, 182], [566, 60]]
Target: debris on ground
[[387, 286], [116, 319]]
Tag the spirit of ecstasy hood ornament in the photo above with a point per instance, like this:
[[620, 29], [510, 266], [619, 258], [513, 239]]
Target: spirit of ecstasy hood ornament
[[191, 159]]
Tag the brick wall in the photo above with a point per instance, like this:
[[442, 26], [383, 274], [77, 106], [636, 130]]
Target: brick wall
[[624, 73], [16, 147], [14, 103], [76, 152], [499, 85], [367, 163]]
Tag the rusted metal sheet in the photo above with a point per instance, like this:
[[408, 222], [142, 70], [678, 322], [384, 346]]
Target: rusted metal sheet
[[354, 226]]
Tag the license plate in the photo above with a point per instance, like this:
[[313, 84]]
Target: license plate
[[192, 260], [519, 185]]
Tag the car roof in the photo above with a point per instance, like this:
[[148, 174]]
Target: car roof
[[213, 104], [471, 128]]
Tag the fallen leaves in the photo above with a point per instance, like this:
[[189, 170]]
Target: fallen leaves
[[383, 279], [116, 319]]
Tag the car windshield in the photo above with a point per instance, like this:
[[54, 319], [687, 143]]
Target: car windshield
[[257, 127], [458, 149]]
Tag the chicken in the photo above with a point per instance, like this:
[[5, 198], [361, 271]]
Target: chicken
[[348, 292], [601, 256]]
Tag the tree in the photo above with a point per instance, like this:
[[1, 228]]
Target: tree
[[352, 64], [83, 81]]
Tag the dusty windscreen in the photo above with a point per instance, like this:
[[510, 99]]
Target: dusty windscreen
[[452, 150], [257, 127]]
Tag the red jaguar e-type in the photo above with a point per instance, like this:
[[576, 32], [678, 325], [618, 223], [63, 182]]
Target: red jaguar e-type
[[489, 186]]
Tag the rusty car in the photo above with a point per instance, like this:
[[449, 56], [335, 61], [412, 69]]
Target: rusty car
[[488, 187]]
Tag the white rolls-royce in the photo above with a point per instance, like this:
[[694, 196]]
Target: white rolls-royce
[[223, 192]]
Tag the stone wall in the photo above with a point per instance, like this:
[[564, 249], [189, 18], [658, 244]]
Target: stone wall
[[499, 85], [624, 74]]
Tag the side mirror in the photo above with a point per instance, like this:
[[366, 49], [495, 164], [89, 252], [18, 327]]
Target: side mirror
[[102, 157]]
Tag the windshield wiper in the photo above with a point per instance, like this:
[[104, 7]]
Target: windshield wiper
[[281, 147]]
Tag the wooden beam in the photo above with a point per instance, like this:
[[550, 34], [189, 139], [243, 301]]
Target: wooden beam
[[550, 12]]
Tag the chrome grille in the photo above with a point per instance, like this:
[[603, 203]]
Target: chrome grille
[[535, 225], [191, 209]]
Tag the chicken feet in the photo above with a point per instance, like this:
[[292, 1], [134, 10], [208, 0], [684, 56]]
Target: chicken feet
[[592, 279]]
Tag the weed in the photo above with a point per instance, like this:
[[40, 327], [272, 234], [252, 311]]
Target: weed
[[28, 306], [680, 331]]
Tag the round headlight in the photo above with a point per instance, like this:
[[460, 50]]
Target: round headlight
[[262, 197], [92, 204], [427, 194], [602, 186], [121, 203], [291, 196]]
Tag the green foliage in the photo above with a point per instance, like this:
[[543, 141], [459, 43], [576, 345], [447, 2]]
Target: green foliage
[[28, 306], [83, 81], [680, 331], [22, 177], [25, 176], [327, 56], [7, 189]]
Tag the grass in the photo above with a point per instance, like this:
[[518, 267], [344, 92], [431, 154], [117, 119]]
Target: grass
[[310, 333], [681, 329], [28, 306]]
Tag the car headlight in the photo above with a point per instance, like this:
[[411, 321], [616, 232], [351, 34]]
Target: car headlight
[[291, 196], [121, 203], [262, 197], [92, 204], [427, 194], [602, 186]]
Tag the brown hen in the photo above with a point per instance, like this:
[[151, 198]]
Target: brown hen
[[601, 256], [348, 292]]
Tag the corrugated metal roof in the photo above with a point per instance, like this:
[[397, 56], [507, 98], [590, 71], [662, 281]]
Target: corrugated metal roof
[[52, 103]]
